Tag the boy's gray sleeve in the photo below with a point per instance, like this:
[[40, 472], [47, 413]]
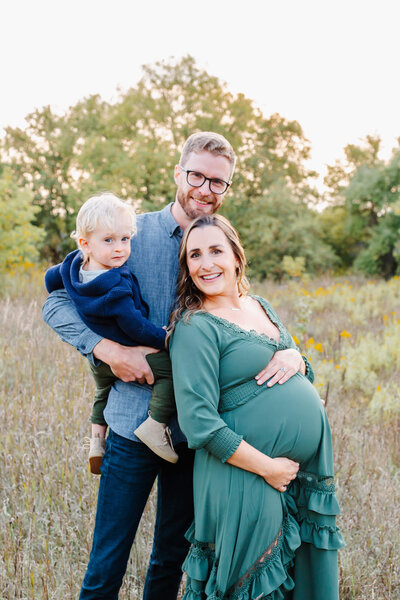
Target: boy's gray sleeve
[[60, 314]]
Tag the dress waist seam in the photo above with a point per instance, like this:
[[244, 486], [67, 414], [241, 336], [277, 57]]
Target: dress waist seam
[[240, 394]]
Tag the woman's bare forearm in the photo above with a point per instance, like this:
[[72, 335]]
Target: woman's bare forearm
[[278, 472]]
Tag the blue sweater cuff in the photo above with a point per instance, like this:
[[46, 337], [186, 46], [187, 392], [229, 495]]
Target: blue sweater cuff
[[224, 443]]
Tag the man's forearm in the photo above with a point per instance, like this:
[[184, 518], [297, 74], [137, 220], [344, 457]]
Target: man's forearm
[[107, 351], [60, 314]]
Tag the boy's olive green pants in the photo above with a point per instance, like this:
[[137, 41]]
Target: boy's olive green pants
[[162, 401]]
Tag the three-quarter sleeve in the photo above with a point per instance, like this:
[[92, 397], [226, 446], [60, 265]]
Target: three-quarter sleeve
[[195, 356]]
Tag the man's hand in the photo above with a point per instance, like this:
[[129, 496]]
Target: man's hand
[[282, 366], [127, 363]]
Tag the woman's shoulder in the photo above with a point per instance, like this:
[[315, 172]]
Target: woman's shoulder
[[194, 325], [261, 301], [194, 320]]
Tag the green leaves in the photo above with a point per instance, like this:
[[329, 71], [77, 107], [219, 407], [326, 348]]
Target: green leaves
[[132, 146], [18, 237]]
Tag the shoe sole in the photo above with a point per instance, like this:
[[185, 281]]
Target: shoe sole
[[95, 463], [155, 449]]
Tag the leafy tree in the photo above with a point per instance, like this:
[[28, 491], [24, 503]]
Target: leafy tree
[[19, 239], [339, 232], [361, 223], [339, 174], [41, 157], [276, 226], [372, 199], [131, 147]]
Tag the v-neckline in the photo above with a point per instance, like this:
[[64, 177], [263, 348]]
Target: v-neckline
[[253, 333]]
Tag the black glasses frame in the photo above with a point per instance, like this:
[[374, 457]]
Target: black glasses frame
[[209, 179]]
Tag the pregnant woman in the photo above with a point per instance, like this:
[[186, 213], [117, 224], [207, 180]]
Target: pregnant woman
[[265, 507]]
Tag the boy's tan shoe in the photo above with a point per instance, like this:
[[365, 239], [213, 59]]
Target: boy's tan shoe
[[157, 437], [96, 452]]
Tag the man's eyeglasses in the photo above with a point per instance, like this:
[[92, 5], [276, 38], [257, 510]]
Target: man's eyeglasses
[[196, 179]]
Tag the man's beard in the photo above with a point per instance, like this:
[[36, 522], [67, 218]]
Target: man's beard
[[192, 212]]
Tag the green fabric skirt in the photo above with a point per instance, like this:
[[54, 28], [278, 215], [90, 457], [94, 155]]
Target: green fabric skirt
[[250, 541]]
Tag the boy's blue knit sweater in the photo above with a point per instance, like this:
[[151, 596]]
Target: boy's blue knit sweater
[[111, 304]]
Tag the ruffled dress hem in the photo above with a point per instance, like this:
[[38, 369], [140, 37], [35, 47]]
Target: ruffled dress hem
[[311, 509]]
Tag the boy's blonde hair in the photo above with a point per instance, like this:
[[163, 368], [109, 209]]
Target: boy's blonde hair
[[101, 211]]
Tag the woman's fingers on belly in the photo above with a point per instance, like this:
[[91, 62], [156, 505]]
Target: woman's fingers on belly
[[282, 471]]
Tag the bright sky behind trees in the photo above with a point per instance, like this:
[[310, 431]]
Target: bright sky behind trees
[[332, 66]]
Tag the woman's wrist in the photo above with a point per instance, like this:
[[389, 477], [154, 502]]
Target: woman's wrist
[[266, 467]]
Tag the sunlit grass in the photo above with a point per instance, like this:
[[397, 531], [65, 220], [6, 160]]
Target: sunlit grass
[[48, 497]]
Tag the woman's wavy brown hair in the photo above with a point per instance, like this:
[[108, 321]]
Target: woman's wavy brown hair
[[190, 299]]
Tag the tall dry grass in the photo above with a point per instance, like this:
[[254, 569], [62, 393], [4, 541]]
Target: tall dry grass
[[48, 498]]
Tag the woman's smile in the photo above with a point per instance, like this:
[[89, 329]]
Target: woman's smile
[[211, 277]]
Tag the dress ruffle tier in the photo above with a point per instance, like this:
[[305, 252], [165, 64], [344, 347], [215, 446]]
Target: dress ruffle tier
[[310, 517]]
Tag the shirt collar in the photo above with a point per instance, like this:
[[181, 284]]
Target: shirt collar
[[170, 224]]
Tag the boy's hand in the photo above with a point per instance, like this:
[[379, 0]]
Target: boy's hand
[[126, 362]]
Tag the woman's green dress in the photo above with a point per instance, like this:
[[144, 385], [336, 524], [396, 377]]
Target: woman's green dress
[[249, 541]]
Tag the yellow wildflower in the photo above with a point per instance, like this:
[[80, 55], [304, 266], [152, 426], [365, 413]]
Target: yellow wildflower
[[345, 333], [310, 342], [296, 340], [318, 347]]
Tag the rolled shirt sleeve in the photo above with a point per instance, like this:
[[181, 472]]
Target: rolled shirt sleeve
[[195, 357], [60, 314]]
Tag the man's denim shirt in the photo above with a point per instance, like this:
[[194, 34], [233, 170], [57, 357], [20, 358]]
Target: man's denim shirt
[[154, 261]]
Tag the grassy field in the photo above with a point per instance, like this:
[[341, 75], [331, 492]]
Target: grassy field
[[350, 330]]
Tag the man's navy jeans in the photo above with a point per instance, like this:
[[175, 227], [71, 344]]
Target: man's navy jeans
[[128, 473]]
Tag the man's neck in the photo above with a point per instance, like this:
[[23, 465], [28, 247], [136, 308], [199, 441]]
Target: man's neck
[[180, 216]]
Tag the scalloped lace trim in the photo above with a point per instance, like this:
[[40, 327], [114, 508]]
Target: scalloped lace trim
[[285, 340], [260, 564], [271, 554], [324, 485]]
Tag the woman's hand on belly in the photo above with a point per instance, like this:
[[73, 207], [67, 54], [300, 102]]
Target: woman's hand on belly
[[280, 472], [282, 366]]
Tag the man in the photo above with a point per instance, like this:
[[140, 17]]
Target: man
[[129, 468], [203, 176]]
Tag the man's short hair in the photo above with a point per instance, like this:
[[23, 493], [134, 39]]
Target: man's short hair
[[211, 142]]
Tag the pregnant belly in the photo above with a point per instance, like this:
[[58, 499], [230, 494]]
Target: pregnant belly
[[285, 420]]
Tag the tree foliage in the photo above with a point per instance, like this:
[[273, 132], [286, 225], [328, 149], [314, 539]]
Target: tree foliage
[[362, 223], [19, 239], [131, 146], [275, 226]]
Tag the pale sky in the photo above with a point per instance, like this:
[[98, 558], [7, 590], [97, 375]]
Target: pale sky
[[331, 65]]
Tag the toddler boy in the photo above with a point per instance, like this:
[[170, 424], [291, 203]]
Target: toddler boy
[[108, 299]]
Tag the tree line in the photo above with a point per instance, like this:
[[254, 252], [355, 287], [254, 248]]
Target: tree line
[[53, 164]]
